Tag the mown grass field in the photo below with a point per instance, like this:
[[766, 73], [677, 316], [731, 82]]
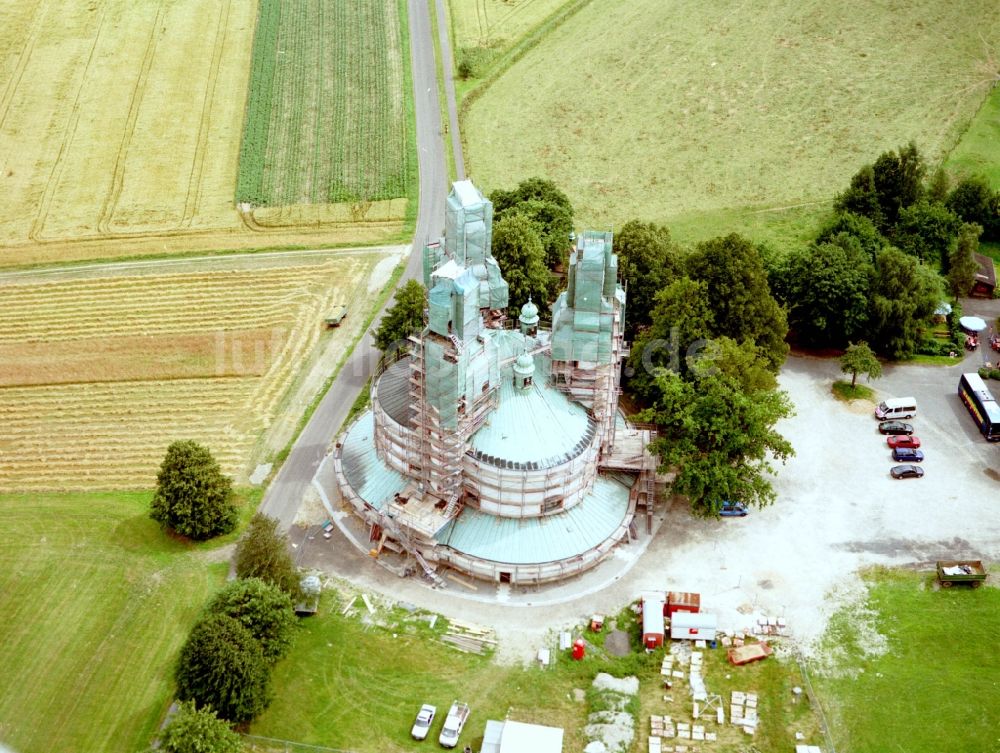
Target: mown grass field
[[327, 118], [915, 668], [101, 373], [688, 109], [357, 683], [95, 602], [978, 151]]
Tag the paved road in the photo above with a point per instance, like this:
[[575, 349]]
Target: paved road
[[288, 488]]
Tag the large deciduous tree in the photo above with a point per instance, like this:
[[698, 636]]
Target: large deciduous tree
[[544, 204], [927, 231], [826, 290], [518, 249], [858, 227], [860, 359], [194, 730], [262, 553], [404, 318], [263, 609], [737, 287], [974, 201], [904, 294], [648, 260], [899, 182], [193, 498], [222, 666], [962, 266], [718, 438]]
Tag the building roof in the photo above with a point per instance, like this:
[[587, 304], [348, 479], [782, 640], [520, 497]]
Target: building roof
[[518, 737], [550, 538], [987, 274], [393, 392], [535, 425], [374, 481]]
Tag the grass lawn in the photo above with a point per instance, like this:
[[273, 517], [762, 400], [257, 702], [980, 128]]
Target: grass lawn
[[687, 108], [978, 151], [349, 684], [844, 391], [915, 668], [95, 602]]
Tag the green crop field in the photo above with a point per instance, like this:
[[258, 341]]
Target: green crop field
[[95, 602], [978, 151], [914, 668], [327, 118], [693, 110]]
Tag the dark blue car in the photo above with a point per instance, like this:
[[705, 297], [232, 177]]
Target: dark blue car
[[907, 455]]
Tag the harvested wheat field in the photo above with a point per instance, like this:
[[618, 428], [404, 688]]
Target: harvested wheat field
[[103, 368], [120, 129]]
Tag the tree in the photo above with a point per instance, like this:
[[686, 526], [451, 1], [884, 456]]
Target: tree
[[860, 359], [744, 309], [962, 266], [974, 201], [554, 223], [647, 260], [937, 188], [404, 318], [904, 294], [681, 318], [718, 438], [861, 197], [192, 496], [262, 553], [899, 183], [263, 609], [531, 188], [193, 730], [826, 290], [926, 231], [858, 227], [222, 665], [518, 250]]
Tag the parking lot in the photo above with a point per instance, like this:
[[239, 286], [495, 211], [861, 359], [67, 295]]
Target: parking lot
[[838, 508]]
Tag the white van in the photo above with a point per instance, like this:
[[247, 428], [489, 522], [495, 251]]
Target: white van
[[896, 407]]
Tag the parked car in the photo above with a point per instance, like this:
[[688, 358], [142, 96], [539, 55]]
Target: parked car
[[903, 440], [458, 715], [895, 427], [422, 725], [907, 455], [733, 509], [907, 471]]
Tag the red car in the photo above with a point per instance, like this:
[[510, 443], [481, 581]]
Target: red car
[[904, 440]]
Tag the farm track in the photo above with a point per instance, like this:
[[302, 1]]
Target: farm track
[[22, 63], [193, 195], [55, 175], [135, 101]]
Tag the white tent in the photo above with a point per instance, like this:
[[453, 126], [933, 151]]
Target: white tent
[[517, 737]]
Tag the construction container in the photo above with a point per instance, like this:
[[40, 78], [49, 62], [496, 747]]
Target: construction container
[[652, 621], [693, 626], [682, 601]]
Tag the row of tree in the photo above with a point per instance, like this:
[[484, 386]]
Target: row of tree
[[871, 271], [223, 671]]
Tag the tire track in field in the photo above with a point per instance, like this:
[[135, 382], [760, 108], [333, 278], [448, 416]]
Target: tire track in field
[[193, 197], [55, 175], [135, 102], [22, 63]]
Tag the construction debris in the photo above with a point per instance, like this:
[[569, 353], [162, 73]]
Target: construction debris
[[468, 638]]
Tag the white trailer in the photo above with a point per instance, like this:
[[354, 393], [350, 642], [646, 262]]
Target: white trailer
[[693, 626]]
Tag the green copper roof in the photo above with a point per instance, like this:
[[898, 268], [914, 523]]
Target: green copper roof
[[538, 424], [520, 541], [373, 481]]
